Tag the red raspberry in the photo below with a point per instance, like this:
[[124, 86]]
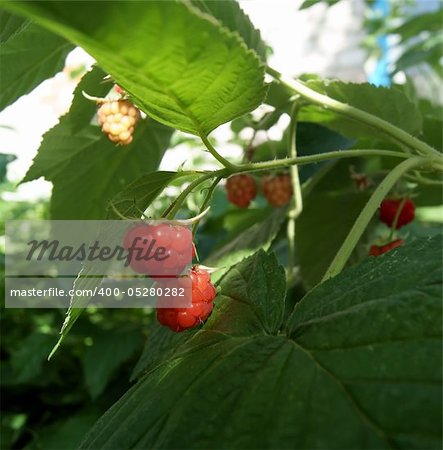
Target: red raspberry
[[277, 189], [176, 254], [241, 190], [203, 294], [389, 208], [118, 119], [377, 250]]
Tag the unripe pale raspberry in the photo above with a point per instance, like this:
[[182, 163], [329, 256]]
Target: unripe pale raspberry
[[203, 294], [277, 189], [118, 119], [241, 190]]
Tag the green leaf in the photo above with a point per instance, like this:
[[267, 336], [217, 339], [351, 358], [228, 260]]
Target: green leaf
[[27, 361], [29, 55], [251, 298], [139, 194], [160, 345], [259, 236], [56, 435], [357, 347], [415, 25], [229, 13], [308, 3], [193, 81], [10, 25], [74, 152], [322, 228], [5, 159], [375, 329], [108, 351], [390, 104]]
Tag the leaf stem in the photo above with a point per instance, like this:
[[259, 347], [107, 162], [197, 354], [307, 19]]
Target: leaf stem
[[368, 211], [270, 165], [176, 205], [207, 200], [215, 154], [297, 200], [326, 102], [300, 160]]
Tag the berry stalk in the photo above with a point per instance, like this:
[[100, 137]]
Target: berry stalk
[[367, 213], [297, 199]]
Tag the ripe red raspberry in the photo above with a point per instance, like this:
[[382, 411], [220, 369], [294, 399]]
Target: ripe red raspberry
[[277, 189], [118, 119], [389, 208], [203, 294], [377, 250], [162, 249], [241, 190]]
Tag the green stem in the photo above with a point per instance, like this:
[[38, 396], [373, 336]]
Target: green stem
[[300, 160], [207, 200], [326, 102], [271, 165], [418, 178], [367, 212], [297, 200], [176, 205], [395, 221], [215, 154]]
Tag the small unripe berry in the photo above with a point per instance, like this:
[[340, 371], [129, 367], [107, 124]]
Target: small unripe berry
[[277, 189], [241, 190]]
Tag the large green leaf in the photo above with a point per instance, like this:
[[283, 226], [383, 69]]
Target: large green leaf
[[29, 55], [390, 104], [74, 152], [108, 351], [229, 13], [180, 67], [359, 367], [415, 25], [258, 236], [160, 345], [139, 194]]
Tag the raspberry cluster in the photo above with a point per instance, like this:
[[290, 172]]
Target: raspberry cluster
[[203, 294], [118, 119], [241, 190], [389, 208], [157, 250], [277, 189]]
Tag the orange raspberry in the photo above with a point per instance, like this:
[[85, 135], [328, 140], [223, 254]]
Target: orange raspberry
[[241, 190], [277, 189]]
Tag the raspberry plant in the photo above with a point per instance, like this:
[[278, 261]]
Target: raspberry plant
[[312, 343]]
